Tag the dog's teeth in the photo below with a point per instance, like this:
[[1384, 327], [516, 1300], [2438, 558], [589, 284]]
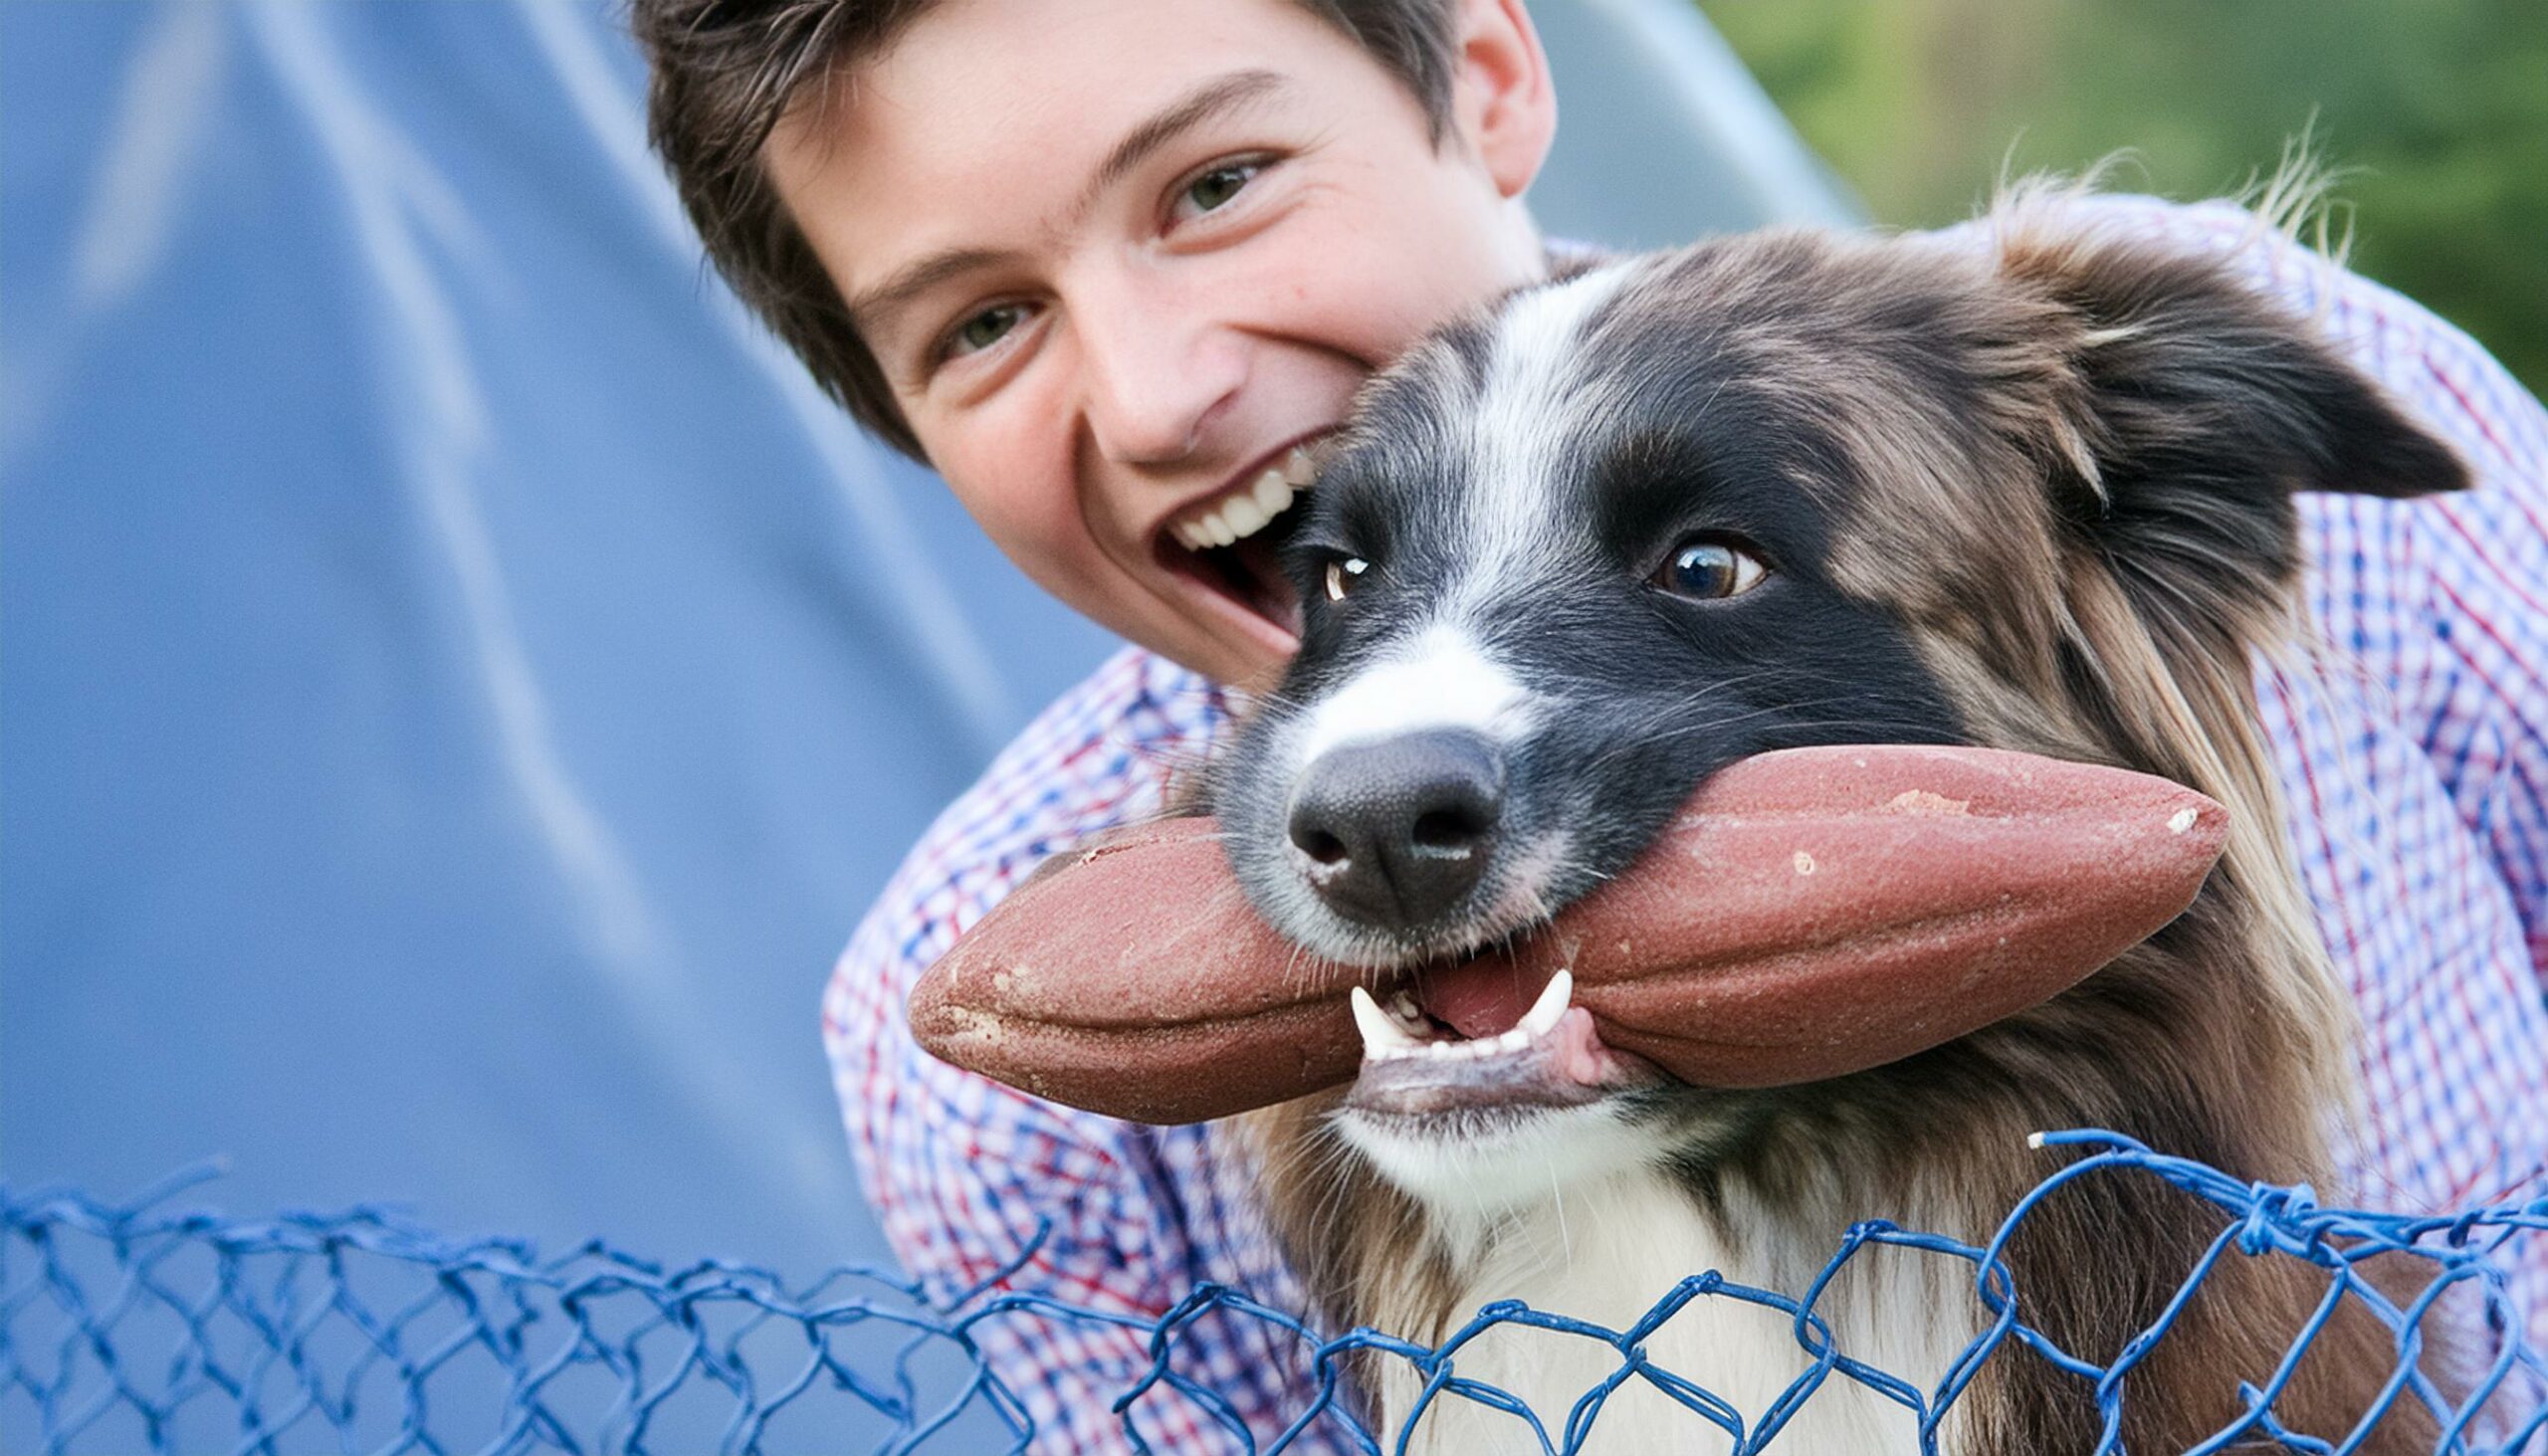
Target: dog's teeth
[[1543, 1016], [1380, 1035], [1513, 1041], [1381, 1038]]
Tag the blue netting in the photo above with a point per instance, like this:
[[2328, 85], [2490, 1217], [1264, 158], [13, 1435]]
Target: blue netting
[[124, 1328]]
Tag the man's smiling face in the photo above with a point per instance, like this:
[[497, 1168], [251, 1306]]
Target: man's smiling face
[[1116, 259]]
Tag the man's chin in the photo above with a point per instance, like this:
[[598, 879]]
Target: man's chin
[[1247, 663], [1219, 638]]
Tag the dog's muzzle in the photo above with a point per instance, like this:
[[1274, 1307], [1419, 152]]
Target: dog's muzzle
[[1395, 833]]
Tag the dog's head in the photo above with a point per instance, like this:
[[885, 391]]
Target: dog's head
[[1773, 490]]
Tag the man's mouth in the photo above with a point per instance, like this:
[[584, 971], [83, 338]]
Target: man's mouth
[[1233, 542], [1462, 1038]]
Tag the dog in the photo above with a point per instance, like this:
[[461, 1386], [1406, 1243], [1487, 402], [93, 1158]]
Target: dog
[[2027, 489]]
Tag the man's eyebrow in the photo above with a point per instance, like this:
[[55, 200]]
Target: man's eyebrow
[[1213, 97], [918, 277]]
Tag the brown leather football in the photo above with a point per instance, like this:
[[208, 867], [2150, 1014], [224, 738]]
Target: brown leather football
[[1810, 913]]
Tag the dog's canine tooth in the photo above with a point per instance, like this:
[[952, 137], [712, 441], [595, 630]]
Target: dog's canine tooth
[[1554, 997], [1381, 1038]]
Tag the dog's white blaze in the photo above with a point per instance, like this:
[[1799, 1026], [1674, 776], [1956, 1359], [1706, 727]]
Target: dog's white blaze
[[1532, 402], [1605, 1250], [1437, 678]]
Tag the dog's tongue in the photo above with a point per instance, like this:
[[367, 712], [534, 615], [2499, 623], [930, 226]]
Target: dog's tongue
[[1479, 998]]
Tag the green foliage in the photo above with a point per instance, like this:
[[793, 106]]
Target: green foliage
[[2434, 112]]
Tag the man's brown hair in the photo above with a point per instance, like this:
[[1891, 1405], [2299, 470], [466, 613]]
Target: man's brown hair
[[727, 72]]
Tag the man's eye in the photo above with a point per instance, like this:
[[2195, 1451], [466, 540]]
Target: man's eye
[[1213, 188], [985, 329], [1708, 568]]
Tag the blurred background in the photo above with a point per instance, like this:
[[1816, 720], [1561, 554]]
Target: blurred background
[[460, 685], [2434, 114]]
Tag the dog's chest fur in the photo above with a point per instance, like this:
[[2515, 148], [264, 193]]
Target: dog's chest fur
[[1607, 1253]]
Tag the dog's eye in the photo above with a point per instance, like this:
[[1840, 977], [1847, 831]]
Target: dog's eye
[[1341, 574], [1707, 569]]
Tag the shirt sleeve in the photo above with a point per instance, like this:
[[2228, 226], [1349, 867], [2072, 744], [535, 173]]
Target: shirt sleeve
[[2412, 753], [2462, 651], [2442, 606], [980, 1189], [2483, 718]]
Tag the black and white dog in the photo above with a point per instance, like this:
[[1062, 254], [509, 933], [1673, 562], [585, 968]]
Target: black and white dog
[[2028, 490]]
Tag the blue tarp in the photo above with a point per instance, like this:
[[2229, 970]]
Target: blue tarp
[[459, 682]]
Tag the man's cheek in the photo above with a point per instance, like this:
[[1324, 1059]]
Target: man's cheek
[[1013, 488]]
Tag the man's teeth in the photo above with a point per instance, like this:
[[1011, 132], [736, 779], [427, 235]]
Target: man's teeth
[[1243, 513], [1388, 1036]]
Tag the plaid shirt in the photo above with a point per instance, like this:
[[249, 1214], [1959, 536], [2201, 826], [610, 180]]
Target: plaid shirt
[[2414, 764]]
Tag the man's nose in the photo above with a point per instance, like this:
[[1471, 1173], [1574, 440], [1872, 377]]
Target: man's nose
[[1155, 378]]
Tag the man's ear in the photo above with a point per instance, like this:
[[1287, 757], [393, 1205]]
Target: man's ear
[[2194, 408], [1503, 104]]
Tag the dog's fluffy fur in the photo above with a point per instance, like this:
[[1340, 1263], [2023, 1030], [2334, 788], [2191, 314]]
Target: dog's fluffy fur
[[2029, 491]]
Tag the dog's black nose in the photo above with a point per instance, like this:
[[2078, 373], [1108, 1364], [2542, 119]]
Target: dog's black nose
[[1397, 831]]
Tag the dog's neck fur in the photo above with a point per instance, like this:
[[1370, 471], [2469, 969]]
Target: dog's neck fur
[[1605, 1252]]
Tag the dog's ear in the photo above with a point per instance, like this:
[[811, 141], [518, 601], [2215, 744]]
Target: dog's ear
[[2193, 408], [2185, 410]]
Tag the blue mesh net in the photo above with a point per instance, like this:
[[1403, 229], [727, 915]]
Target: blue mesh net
[[130, 1327]]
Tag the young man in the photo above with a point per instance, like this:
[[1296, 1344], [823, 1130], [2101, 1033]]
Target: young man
[[1106, 264]]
